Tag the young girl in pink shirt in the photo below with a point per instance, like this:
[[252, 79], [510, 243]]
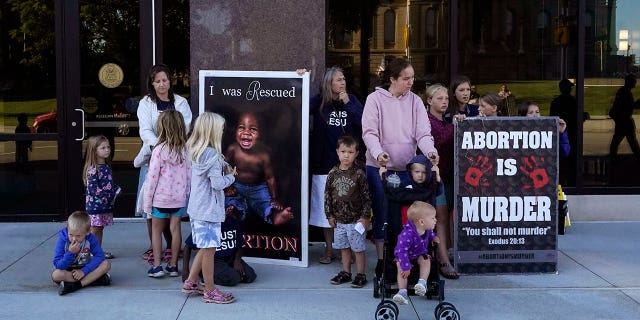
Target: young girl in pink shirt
[[166, 189]]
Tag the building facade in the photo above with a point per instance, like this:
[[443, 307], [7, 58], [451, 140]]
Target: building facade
[[71, 69]]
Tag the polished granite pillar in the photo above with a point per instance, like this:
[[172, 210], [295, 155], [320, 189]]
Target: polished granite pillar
[[271, 35]]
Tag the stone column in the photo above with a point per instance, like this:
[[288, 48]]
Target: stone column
[[274, 35]]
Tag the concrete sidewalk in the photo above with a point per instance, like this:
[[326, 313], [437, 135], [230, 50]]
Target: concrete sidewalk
[[598, 278]]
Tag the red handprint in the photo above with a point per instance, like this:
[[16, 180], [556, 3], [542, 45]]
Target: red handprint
[[478, 168], [532, 169]]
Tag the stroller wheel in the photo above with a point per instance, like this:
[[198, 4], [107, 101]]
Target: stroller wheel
[[376, 287], [394, 306], [442, 311], [448, 313], [386, 310]]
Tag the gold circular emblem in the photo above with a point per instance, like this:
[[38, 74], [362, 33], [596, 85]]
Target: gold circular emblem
[[110, 75], [123, 129]]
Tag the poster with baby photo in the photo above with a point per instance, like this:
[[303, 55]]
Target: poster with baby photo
[[266, 139]]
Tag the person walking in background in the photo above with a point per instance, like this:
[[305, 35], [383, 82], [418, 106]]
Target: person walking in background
[[210, 174], [621, 113], [565, 106], [347, 206], [335, 113], [166, 189], [460, 92], [101, 192], [159, 98], [394, 125], [442, 131]]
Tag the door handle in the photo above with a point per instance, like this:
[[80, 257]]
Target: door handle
[[73, 124]]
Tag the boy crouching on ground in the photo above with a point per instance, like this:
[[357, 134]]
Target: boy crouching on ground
[[79, 259]]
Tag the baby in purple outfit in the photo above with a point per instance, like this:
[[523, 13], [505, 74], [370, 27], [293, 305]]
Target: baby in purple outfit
[[413, 247]]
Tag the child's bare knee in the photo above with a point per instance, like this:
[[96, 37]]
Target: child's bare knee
[[58, 275]]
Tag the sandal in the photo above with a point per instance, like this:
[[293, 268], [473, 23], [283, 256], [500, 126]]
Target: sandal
[[146, 254], [447, 271], [217, 296], [167, 255], [189, 287], [326, 259]]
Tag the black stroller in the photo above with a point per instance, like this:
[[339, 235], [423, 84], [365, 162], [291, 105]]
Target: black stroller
[[385, 287]]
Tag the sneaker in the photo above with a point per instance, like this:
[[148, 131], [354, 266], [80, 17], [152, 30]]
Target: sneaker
[[172, 271], [189, 287], [217, 296], [68, 287], [341, 278], [104, 280], [401, 297], [156, 272], [359, 281], [420, 287], [108, 255]]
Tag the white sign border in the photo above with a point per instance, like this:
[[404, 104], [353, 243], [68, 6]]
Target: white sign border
[[304, 181]]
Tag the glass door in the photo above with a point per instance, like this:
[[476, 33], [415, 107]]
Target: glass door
[[110, 87], [31, 176], [68, 70]]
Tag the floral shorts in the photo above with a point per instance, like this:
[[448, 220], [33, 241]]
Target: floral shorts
[[345, 236], [101, 220]]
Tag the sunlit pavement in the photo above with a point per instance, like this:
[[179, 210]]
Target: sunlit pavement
[[597, 278]]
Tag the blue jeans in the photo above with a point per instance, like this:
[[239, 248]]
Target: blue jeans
[[379, 200], [239, 203], [258, 198], [143, 175]]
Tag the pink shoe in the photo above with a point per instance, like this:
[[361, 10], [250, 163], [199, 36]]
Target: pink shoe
[[167, 255], [217, 296], [189, 287]]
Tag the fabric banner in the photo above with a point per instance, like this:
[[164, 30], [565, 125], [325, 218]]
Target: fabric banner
[[266, 138], [506, 188]]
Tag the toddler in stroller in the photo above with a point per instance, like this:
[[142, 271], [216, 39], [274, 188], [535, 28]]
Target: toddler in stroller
[[413, 248], [424, 188]]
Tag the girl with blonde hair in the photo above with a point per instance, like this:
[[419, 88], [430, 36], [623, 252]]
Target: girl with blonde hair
[[442, 132], [100, 189], [210, 174], [166, 189]]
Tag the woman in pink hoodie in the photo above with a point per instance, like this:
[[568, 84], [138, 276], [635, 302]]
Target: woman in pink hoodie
[[166, 189], [394, 125]]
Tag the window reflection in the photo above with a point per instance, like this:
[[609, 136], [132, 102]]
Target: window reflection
[[29, 180]]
